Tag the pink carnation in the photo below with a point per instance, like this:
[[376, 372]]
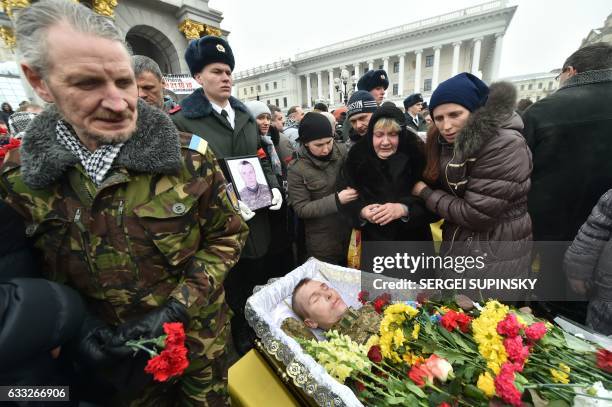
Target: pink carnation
[[509, 326], [517, 353], [536, 331], [504, 385]]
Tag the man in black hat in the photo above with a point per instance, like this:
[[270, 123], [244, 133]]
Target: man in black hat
[[413, 105], [376, 82], [225, 123]]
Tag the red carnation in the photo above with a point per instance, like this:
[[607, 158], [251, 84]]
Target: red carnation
[[381, 302], [536, 331], [516, 351], [363, 296], [604, 360], [453, 319], [171, 362], [360, 387], [176, 334], [419, 374], [504, 385], [374, 354], [509, 326], [444, 404]]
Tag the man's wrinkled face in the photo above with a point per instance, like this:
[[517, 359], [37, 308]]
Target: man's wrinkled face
[[248, 175], [216, 79], [91, 82], [150, 89], [322, 305], [278, 120], [360, 123]]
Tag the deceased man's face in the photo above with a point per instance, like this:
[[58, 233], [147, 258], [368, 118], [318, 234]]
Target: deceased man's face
[[320, 304]]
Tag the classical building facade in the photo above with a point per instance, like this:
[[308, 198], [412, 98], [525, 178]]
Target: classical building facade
[[417, 56], [156, 28], [535, 86], [602, 34]]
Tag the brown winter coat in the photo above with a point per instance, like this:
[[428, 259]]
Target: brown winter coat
[[484, 181], [312, 194]]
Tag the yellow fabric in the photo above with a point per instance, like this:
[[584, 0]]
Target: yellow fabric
[[436, 230], [253, 383]]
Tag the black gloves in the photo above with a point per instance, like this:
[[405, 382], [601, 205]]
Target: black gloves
[[151, 325], [94, 347]]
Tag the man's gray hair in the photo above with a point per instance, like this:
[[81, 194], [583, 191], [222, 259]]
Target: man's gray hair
[[145, 64], [33, 23]]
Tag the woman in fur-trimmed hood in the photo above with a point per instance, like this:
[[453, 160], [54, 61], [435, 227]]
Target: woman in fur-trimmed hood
[[478, 174]]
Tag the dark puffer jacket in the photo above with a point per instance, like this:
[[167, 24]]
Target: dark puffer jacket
[[387, 181], [484, 180], [589, 259]]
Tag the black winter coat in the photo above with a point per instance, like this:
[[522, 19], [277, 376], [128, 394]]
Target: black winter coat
[[387, 181], [570, 139]]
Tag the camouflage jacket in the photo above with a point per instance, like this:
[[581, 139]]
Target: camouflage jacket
[[357, 324], [159, 226]]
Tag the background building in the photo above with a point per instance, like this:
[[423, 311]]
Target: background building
[[535, 86], [417, 56], [156, 28], [603, 34]]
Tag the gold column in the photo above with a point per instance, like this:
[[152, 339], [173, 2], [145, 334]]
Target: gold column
[[9, 5], [105, 7], [8, 36], [191, 29]]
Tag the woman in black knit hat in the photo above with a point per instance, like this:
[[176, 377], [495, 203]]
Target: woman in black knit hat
[[312, 190]]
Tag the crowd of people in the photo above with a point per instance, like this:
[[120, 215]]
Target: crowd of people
[[118, 216]]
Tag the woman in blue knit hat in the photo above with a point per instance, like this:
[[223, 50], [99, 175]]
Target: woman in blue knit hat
[[478, 176]]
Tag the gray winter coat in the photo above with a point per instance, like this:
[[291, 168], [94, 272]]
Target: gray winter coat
[[589, 259], [312, 194], [485, 178]]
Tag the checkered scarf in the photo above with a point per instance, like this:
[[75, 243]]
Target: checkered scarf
[[96, 164]]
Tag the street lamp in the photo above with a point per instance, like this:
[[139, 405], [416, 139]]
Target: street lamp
[[341, 85]]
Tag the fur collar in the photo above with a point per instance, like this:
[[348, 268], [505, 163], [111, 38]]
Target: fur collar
[[153, 148], [484, 122], [197, 105], [588, 77]]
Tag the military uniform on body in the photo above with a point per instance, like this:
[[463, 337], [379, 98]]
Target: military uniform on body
[[128, 212]]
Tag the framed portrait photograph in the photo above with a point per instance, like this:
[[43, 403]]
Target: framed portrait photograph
[[249, 181]]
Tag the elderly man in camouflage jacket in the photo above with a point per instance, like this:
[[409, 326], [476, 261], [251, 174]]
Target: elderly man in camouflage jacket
[[128, 212]]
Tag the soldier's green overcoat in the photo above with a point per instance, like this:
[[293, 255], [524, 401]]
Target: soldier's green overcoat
[[159, 226]]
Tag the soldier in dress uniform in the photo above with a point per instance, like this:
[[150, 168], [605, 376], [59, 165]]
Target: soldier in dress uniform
[[126, 210], [254, 194]]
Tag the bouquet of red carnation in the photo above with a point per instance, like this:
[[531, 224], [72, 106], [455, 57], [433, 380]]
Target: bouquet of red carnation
[[172, 361]]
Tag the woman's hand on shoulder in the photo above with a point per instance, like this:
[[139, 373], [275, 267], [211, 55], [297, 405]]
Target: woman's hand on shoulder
[[347, 195], [418, 188]]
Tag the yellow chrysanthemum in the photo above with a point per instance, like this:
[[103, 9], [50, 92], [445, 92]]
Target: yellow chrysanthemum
[[559, 376], [372, 340], [415, 331], [490, 343], [401, 308], [412, 359], [486, 384], [398, 337]]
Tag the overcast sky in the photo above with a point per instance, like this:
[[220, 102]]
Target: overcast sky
[[540, 36]]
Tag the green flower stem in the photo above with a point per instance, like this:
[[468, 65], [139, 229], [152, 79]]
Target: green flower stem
[[568, 387], [137, 345]]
